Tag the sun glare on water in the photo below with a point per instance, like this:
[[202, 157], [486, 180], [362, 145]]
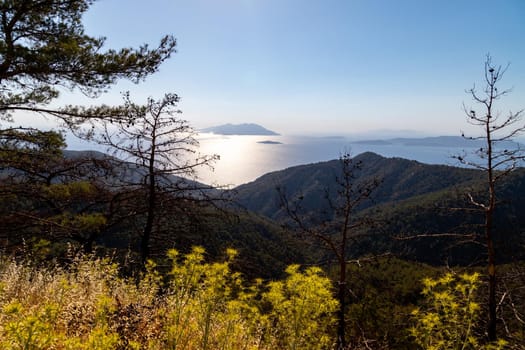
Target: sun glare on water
[[241, 157]]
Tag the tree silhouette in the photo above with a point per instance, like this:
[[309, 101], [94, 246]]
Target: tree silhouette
[[337, 232], [495, 159], [43, 47], [163, 149]]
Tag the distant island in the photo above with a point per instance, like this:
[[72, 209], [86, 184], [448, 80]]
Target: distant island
[[239, 129], [439, 141], [270, 142]]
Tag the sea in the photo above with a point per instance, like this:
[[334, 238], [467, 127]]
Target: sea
[[244, 158]]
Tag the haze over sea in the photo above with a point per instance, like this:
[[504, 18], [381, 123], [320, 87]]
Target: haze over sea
[[244, 158]]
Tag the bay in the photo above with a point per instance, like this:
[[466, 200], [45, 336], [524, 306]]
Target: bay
[[245, 158]]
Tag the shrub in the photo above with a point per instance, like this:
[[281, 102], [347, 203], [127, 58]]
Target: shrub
[[198, 305], [451, 314]]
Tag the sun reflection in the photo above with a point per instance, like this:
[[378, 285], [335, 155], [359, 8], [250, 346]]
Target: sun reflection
[[242, 158]]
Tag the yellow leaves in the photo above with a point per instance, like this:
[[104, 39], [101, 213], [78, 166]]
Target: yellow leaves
[[231, 254], [473, 308], [12, 308], [302, 308], [27, 328], [207, 305], [498, 345], [203, 306], [428, 285], [104, 308], [450, 314], [102, 339]]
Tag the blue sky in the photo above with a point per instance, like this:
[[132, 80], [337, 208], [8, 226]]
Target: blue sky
[[321, 66]]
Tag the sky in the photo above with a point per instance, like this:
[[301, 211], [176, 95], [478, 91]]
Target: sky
[[320, 67]]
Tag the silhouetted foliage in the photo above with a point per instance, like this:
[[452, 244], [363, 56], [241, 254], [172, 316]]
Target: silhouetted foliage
[[496, 162], [338, 229], [43, 46], [163, 148]]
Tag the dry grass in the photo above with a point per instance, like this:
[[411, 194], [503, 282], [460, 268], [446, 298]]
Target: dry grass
[[87, 305]]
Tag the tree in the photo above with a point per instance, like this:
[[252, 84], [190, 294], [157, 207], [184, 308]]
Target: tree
[[163, 148], [495, 160], [337, 232], [448, 319], [47, 195], [43, 47]]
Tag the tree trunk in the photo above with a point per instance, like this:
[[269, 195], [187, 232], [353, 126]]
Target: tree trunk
[[491, 326], [88, 244], [148, 228], [341, 324], [489, 213]]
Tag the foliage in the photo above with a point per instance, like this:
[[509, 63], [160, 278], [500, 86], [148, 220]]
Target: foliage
[[45, 195], [43, 46], [205, 305], [450, 317], [302, 309], [383, 292], [496, 160], [164, 148], [199, 305]]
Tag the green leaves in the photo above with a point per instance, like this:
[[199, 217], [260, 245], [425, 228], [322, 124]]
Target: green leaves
[[43, 45]]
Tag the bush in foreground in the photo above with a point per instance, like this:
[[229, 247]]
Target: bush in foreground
[[451, 314], [198, 305]]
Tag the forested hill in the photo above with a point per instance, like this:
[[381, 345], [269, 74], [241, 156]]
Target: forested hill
[[412, 200], [419, 221], [400, 179]]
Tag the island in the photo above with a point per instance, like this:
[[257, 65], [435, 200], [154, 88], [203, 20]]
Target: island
[[437, 141], [239, 129], [270, 142]]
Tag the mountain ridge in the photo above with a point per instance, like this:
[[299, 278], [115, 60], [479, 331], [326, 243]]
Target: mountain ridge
[[436, 141], [400, 179], [413, 200]]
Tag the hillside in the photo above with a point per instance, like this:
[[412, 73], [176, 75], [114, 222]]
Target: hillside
[[413, 199], [107, 188], [400, 179]]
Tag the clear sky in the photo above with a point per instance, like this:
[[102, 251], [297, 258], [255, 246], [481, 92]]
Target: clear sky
[[321, 66]]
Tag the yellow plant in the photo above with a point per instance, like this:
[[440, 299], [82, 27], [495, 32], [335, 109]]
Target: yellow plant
[[449, 318], [27, 329], [302, 309], [208, 307], [199, 305]]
